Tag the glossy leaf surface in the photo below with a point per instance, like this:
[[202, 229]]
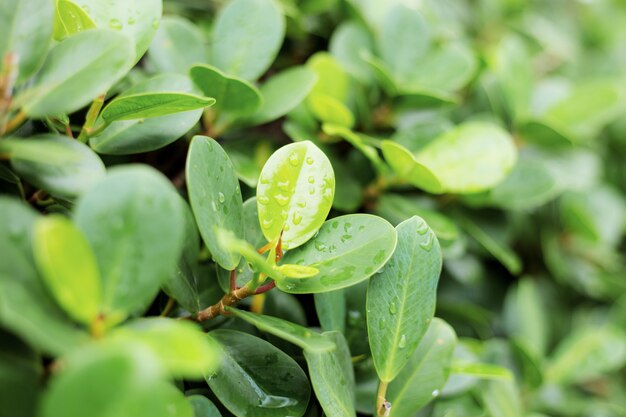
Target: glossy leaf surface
[[134, 223], [177, 45], [68, 267], [346, 251], [257, 379], [401, 299], [295, 193], [215, 196], [139, 106], [409, 169]]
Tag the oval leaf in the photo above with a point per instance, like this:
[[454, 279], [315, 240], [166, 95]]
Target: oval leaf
[[295, 193], [215, 196], [256, 379], [133, 220], [347, 250], [401, 299], [26, 31], [473, 157], [57, 164], [247, 36], [69, 19], [138, 106], [177, 45], [233, 95], [68, 267], [404, 164], [139, 135], [76, 71]]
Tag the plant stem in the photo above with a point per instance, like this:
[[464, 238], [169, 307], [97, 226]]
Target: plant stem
[[90, 119], [168, 307], [383, 407], [15, 122], [229, 299]]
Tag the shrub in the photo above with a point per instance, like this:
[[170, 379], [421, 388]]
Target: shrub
[[318, 207]]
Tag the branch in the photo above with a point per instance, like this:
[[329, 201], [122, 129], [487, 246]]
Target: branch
[[383, 407]]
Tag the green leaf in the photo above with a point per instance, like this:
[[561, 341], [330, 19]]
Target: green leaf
[[349, 42], [282, 93], [113, 380], [215, 196], [231, 244], [481, 370], [233, 95], [523, 316], [182, 284], [76, 71], [331, 310], [135, 136], [403, 41], [401, 299], [16, 240], [137, 19], [426, 372], [297, 271], [70, 19], [26, 31], [409, 169], [133, 220], [358, 141], [180, 346], [330, 110], [247, 36], [177, 45], [332, 377], [295, 193], [347, 250], [291, 332], [586, 354], [68, 267], [203, 407], [473, 157], [501, 399], [256, 379], [332, 80], [57, 164], [144, 105]]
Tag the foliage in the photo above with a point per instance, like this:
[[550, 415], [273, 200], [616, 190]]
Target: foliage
[[280, 208]]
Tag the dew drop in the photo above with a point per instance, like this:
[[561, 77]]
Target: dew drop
[[266, 223], [263, 199], [294, 159], [301, 204], [428, 245], [311, 190], [309, 160], [346, 237], [115, 24], [297, 218], [311, 179], [156, 23], [435, 393], [131, 21], [381, 324], [402, 342], [213, 206], [264, 180], [335, 224], [281, 199], [393, 309], [422, 228], [320, 246], [221, 197], [283, 185], [361, 228], [286, 229]]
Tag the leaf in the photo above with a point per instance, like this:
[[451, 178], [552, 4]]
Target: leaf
[[257, 379], [291, 332], [113, 380], [523, 316], [137, 19], [57, 164], [177, 45], [133, 220], [348, 44], [215, 196], [233, 95], [409, 169], [401, 299], [135, 136], [403, 41], [332, 377], [330, 110], [16, 240], [481, 370], [247, 36], [358, 141], [182, 284], [282, 93], [180, 346], [70, 19], [68, 267], [231, 244], [203, 407], [331, 310], [501, 399], [76, 71], [332, 80], [347, 250], [144, 105], [295, 193], [426, 372], [26, 30], [297, 271], [587, 353], [473, 157]]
